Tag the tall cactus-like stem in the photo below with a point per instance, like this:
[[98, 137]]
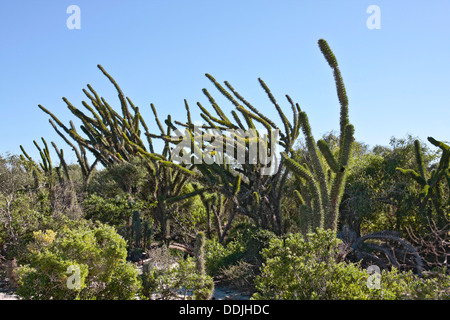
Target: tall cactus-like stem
[[249, 182], [115, 137], [430, 181], [47, 170], [200, 253], [326, 178]]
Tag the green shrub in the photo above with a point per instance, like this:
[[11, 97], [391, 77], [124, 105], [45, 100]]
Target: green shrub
[[48, 278], [201, 285], [240, 276], [406, 285], [19, 217], [241, 265], [246, 245], [116, 211], [218, 256], [190, 212], [298, 269], [128, 177], [255, 240], [303, 269], [99, 253], [166, 278]]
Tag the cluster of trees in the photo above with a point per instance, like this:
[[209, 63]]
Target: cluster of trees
[[333, 203]]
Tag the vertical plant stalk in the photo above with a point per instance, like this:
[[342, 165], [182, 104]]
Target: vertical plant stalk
[[115, 137], [326, 179], [431, 186], [199, 252]]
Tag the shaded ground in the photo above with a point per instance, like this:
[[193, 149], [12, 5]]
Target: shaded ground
[[227, 293]]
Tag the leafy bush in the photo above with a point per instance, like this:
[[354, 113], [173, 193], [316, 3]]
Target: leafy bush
[[377, 197], [190, 212], [239, 276], [245, 245], [116, 211], [218, 256], [47, 278], [298, 268], [22, 211], [98, 253], [241, 270], [254, 241], [129, 177], [165, 278], [19, 217], [396, 285]]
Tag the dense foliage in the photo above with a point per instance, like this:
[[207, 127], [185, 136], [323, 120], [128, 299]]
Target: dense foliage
[[312, 268], [145, 226], [99, 254]]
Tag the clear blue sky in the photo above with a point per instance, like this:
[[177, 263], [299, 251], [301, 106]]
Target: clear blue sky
[[397, 77]]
